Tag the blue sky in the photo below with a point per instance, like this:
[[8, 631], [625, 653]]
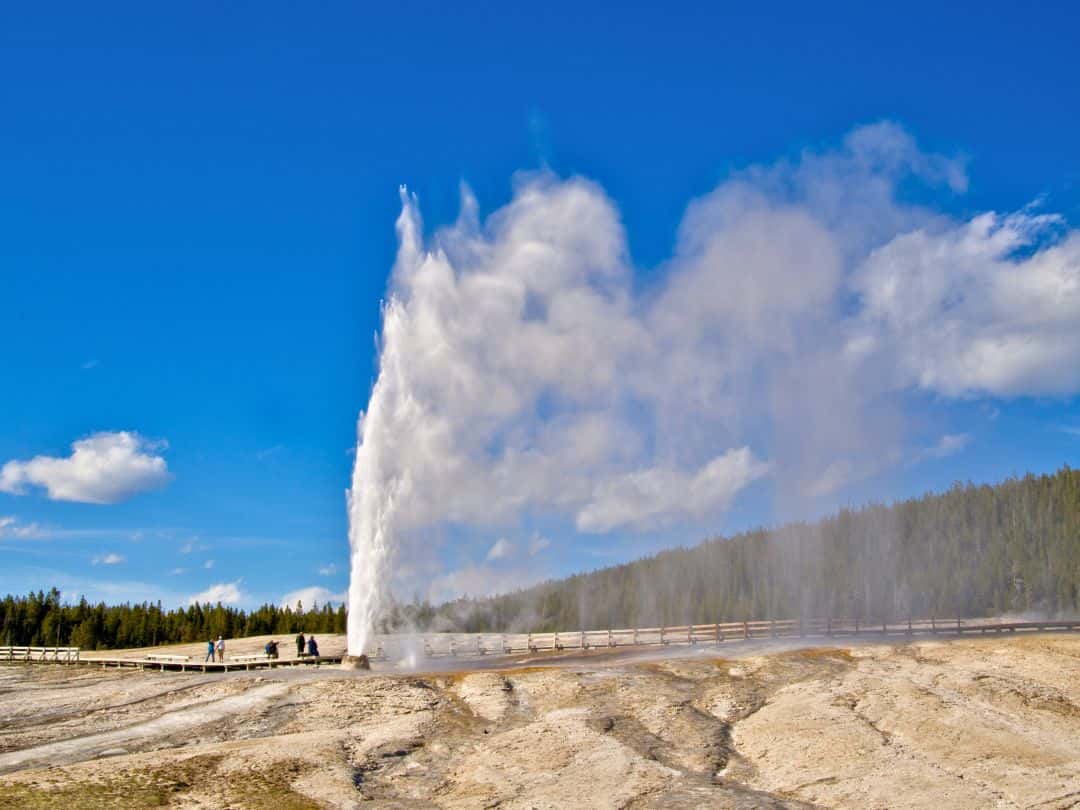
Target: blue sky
[[197, 216]]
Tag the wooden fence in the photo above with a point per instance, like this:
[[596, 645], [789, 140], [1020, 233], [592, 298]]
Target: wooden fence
[[434, 645], [470, 645], [61, 654]]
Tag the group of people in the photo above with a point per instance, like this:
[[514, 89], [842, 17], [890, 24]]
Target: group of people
[[215, 650], [312, 646]]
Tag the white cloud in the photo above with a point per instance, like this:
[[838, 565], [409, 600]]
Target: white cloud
[[656, 496], [981, 307], [228, 593], [949, 445], [208, 564], [834, 477], [177, 572], [108, 559], [102, 468], [502, 549], [538, 544], [311, 596], [328, 570], [192, 546], [1072, 430], [11, 527]]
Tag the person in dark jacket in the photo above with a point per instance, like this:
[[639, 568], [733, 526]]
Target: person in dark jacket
[[300, 645], [312, 647]]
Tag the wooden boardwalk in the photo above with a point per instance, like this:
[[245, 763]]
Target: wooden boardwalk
[[159, 661], [418, 647]]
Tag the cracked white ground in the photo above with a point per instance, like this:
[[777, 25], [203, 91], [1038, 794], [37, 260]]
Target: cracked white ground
[[987, 722]]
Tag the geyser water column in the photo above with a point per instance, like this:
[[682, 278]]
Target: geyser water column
[[380, 478], [371, 504], [377, 486]]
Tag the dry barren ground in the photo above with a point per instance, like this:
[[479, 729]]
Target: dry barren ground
[[990, 722]]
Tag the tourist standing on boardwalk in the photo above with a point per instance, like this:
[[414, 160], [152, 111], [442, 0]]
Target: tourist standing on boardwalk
[[300, 645], [312, 647], [220, 649], [209, 651]]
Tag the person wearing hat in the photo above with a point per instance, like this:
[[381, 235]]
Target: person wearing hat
[[220, 646]]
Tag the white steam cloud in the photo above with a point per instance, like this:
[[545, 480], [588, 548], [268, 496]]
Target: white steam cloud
[[522, 371]]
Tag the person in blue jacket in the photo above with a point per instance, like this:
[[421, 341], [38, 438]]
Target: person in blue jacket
[[209, 651], [312, 646]]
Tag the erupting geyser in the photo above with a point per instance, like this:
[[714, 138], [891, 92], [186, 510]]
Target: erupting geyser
[[525, 377], [378, 476]]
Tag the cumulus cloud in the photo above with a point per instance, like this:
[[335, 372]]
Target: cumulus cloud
[[108, 559], [524, 371], [982, 307], [102, 468], [309, 597], [227, 593], [652, 496], [328, 570]]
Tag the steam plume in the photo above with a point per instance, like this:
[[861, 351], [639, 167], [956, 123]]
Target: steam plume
[[522, 373]]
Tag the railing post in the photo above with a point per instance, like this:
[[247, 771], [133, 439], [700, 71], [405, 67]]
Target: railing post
[[718, 637], [745, 630], [662, 641], [828, 626], [909, 624]]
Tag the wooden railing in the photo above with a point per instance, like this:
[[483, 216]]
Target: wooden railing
[[433, 645], [62, 654]]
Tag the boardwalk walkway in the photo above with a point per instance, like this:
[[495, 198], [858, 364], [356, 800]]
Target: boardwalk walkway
[[417, 647]]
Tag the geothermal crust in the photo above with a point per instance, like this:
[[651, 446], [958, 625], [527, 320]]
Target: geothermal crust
[[988, 722]]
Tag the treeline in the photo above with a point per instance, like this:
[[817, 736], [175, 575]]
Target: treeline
[[972, 551], [42, 619]]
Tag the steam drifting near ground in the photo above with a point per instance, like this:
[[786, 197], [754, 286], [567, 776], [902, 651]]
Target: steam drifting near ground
[[523, 372]]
